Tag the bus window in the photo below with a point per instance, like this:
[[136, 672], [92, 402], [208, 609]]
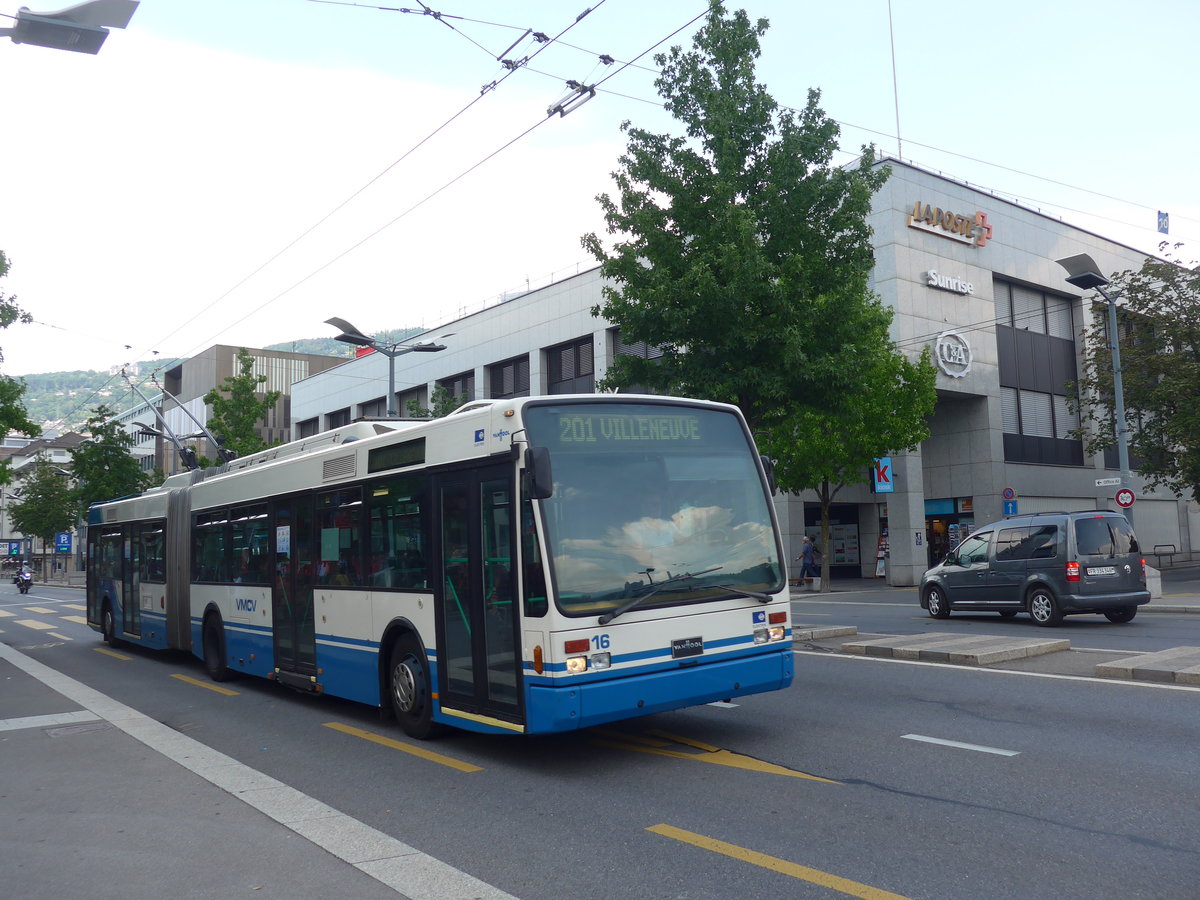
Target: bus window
[[249, 541], [339, 524], [209, 540], [536, 604], [152, 553], [397, 544]]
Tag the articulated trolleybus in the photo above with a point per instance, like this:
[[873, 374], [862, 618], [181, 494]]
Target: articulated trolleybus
[[532, 565]]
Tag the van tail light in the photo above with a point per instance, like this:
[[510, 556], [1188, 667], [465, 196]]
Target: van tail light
[[1143, 568], [1072, 571]]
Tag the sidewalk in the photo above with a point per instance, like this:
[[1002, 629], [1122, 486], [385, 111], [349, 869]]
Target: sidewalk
[[102, 801]]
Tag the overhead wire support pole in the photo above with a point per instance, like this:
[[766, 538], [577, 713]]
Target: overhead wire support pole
[[187, 456], [225, 455]]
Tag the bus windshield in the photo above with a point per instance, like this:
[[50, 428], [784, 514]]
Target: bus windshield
[[649, 493]]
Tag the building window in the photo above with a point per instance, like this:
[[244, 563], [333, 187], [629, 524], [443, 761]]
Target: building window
[[308, 428], [373, 409], [1035, 340], [569, 368], [641, 350], [339, 418], [461, 387], [411, 403], [509, 379]]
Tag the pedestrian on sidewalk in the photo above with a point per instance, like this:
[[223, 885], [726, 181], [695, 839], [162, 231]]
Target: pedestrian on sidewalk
[[808, 558]]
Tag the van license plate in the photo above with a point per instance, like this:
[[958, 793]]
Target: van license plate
[[687, 647], [1102, 570]]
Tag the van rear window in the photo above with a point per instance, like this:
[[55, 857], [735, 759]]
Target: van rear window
[[1104, 536]]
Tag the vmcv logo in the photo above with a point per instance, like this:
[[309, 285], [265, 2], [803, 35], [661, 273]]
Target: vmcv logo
[[246, 604]]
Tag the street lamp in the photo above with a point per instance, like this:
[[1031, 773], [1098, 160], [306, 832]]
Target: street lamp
[[352, 335], [81, 28], [1083, 273]]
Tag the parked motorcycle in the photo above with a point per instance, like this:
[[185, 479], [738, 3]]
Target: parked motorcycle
[[24, 581]]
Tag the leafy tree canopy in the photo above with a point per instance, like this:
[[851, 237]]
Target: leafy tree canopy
[[102, 466], [234, 417], [13, 416], [47, 503], [442, 403], [744, 256], [1159, 316]]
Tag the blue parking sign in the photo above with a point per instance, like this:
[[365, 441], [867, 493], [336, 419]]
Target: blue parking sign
[[62, 542]]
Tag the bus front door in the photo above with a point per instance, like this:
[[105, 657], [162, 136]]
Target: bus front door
[[478, 663], [294, 629]]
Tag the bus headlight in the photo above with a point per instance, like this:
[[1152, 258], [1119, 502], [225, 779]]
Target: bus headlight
[[760, 636], [576, 664], [601, 660], [777, 632]]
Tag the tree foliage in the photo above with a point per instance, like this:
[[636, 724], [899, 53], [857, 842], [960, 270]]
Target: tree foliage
[[1159, 328], [441, 403], [13, 415], [235, 416], [102, 466], [47, 504], [744, 256]]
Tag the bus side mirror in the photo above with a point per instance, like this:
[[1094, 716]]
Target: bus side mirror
[[538, 480], [769, 468]]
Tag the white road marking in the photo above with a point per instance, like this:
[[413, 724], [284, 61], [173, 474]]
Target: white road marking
[[978, 748], [71, 718]]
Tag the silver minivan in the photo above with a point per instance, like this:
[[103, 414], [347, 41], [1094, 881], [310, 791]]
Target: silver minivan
[[1049, 565]]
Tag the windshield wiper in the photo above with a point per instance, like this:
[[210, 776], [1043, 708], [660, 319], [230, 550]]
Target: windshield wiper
[[630, 604], [753, 595]]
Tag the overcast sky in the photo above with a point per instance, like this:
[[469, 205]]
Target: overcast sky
[[156, 196]]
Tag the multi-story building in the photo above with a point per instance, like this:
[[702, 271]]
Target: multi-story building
[[972, 276], [185, 384]]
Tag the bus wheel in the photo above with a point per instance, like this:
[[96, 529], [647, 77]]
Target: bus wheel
[[214, 649], [108, 627], [408, 680]]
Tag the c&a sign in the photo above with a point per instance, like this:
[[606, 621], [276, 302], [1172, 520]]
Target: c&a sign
[[973, 229]]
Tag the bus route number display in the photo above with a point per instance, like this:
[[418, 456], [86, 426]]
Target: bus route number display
[[598, 428]]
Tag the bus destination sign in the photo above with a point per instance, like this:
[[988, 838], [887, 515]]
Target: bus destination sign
[[602, 428]]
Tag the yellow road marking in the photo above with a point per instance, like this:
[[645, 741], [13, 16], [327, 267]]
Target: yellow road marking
[[714, 755], [775, 864], [78, 606], [113, 653], [216, 688], [407, 748], [78, 620], [5, 614], [34, 624], [41, 610], [61, 637]]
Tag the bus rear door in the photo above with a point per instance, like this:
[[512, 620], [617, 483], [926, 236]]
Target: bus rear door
[[294, 629]]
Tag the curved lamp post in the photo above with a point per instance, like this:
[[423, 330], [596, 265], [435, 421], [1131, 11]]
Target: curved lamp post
[[352, 335], [1083, 273]]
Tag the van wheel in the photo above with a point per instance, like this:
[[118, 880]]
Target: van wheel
[[1122, 615], [408, 687], [935, 602], [214, 649], [1043, 608]]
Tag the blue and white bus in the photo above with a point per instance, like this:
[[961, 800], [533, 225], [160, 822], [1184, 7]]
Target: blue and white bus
[[531, 565]]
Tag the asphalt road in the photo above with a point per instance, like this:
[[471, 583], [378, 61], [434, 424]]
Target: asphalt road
[[868, 778]]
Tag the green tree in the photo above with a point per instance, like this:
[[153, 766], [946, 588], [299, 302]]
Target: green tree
[[102, 466], [47, 502], [13, 415], [1159, 326], [234, 417], [442, 403], [744, 256]]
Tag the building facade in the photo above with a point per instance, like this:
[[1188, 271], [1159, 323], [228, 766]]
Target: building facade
[[970, 275]]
